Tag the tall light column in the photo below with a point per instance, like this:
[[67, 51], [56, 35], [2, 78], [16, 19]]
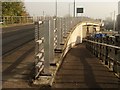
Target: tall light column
[[56, 8], [69, 9], [74, 9]]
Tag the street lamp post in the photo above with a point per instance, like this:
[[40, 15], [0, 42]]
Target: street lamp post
[[56, 8], [74, 8], [69, 9]]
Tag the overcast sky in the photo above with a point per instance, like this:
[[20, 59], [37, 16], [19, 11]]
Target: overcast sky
[[92, 8]]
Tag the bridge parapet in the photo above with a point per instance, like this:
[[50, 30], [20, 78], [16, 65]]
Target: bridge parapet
[[54, 38]]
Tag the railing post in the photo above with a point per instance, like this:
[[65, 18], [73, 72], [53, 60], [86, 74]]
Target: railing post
[[63, 29], [116, 67], [106, 51], [55, 33], [96, 49], [12, 20], [39, 48], [27, 19], [51, 44], [94, 46], [114, 53], [46, 47], [36, 47], [58, 33], [43, 50], [103, 49], [100, 49], [110, 51], [6, 20]]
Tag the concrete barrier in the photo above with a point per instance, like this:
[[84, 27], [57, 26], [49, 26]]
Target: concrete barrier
[[76, 35]]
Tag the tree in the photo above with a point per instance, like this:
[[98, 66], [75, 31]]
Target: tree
[[13, 9]]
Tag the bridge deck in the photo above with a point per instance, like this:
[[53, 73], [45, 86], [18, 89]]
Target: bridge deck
[[80, 69]]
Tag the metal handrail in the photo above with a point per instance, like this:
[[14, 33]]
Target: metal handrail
[[100, 49], [104, 44]]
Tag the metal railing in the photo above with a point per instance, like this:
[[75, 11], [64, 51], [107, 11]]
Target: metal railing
[[10, 20], [107, 49], [50, 35]]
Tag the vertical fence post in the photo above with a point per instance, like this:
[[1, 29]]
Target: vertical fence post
[[6, 20], [58, 33], [46, 47], [55, 32], [116, 66], [100, 48], [111, 54], [12, 20], [39, 49], [36, 47], [62, 30], [26, 19], [51, 44], [114, 54], [93, 47], [31, 19], [106, 51], [118, 55], [102, 52]]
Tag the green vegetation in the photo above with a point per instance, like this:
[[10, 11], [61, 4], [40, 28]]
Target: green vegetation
[[14, 13], [13, 9]]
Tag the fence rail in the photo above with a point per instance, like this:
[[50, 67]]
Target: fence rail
[[106, 49], [9, 20]]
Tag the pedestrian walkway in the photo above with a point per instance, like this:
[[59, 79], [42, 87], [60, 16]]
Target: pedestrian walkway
[[80, 69]]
